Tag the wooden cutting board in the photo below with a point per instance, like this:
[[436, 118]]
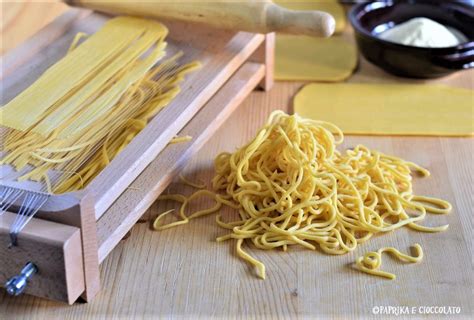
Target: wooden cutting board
[[183, 272]]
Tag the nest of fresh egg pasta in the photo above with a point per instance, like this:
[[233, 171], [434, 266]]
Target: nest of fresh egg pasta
[[291, 186]]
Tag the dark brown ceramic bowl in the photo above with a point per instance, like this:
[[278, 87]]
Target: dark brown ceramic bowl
[[370, 19]]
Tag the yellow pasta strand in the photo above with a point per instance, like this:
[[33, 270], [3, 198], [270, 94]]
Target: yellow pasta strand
[[197, 185], [185, 201], [291, 186], [75, 41], [370, 263], [180, 139], [260, 266]]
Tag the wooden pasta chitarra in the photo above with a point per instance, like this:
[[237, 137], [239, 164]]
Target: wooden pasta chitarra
[[58, 253]]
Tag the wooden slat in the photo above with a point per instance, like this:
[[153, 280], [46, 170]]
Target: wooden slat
[[130, 206], [54, 248]]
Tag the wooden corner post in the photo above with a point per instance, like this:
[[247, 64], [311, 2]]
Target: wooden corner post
[[265, 54], [89, 247]]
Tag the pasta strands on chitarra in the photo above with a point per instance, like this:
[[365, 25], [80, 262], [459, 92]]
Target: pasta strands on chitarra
[[291, 186], [88, 106], [82, 62]]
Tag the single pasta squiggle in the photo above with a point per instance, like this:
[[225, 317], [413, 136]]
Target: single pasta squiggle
[[370, 263]]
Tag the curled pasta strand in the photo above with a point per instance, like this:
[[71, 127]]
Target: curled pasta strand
[[433, 205], [370, 263], [157, 226]]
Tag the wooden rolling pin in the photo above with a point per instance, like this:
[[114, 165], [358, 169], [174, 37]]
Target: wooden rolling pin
[[259, 16]]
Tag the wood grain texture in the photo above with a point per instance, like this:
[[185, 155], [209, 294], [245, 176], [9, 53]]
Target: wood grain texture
[[54, 248], [183, 272]]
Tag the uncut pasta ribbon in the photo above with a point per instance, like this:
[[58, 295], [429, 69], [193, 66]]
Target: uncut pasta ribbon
[[291, 186], [152, 36], [116, 35]]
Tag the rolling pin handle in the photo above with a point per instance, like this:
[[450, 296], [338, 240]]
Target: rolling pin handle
[[310, 23], [17, 284]]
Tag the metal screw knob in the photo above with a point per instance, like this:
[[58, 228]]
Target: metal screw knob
[[17, 284]]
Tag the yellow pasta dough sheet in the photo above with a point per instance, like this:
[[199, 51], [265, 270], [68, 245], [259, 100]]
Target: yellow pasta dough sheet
[[314, 59], [390, 109], [330, 6]]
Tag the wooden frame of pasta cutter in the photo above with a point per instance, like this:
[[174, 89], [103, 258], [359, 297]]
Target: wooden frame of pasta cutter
[[75, 232]]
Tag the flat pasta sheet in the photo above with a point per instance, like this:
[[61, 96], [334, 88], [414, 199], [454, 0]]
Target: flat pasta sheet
[[314, 59], [390, 109]]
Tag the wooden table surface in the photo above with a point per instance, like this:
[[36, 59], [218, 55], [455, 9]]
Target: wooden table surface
[[183, 272]]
